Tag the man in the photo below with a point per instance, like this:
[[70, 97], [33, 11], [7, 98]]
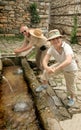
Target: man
[[33, 38], [63, 54]]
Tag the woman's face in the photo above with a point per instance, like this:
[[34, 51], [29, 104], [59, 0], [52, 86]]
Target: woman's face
[[56, 42]]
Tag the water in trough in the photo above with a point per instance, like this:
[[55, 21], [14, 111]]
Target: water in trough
[[17, 111]]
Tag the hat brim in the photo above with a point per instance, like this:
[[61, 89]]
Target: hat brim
[[53, 37], [32, 33]]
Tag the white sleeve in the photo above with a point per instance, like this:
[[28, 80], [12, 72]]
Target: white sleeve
[[68, 50]]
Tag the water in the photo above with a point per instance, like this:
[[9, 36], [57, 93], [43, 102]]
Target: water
[[9, 61], [21, 107], [3, 77], [18, 71]]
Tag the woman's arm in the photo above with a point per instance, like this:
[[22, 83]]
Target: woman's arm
[[45, 63], [64, 63]]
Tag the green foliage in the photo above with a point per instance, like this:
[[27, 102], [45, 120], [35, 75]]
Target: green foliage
[[32, 54], [74, 39], [35, 18]]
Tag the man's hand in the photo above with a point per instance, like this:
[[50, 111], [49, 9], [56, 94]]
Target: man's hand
[[16, 51]]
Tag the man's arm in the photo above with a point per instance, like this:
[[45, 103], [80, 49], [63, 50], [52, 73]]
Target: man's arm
[[23, 48]]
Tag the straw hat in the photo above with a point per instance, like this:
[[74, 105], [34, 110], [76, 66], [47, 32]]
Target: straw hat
[[54, 34], [36, 33]]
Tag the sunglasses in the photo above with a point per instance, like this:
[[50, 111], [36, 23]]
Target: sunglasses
[[23, 31]]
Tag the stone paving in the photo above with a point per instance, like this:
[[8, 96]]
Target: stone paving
[[73, 124]]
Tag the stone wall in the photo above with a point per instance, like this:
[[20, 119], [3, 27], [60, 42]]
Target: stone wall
[[62, 15], [59, 14], [13, 13]]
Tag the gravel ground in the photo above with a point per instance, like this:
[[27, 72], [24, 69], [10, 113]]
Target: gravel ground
[[7, 45]]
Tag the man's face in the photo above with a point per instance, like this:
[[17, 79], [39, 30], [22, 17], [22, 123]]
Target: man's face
[[24, 31]]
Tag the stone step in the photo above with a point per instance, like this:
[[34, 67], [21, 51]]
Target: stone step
[[72, 124]]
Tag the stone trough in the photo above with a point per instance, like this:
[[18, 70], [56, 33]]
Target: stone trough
[[16, 107]]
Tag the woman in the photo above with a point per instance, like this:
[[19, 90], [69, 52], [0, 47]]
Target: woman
[[63, 54]]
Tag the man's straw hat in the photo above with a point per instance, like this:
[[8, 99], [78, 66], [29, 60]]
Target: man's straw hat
[[53, 34], [36, 33]]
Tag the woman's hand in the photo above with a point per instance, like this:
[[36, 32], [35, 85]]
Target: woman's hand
[[50, 70]]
